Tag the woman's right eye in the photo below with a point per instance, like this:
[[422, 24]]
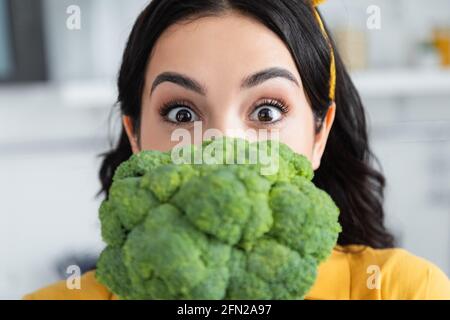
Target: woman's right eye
[[181, 115]]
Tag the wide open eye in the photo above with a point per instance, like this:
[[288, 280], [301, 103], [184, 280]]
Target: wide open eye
[[181, 114], [269, 111], [266, 114]]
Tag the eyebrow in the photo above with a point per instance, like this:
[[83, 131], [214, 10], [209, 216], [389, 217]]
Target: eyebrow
[[248, 82], [264, 75]]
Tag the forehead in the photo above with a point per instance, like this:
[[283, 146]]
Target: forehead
[[225, 47]]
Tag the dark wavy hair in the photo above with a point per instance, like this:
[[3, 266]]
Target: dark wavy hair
[[347, 171]]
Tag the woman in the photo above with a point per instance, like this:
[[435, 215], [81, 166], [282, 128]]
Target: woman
[[246, 64]]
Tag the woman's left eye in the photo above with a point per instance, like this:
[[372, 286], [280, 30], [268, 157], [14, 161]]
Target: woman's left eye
[[267, 114]]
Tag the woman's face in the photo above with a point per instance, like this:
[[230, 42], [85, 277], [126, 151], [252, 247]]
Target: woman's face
[[234, 75]]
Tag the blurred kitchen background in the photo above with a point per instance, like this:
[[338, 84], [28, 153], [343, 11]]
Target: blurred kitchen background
[[57, 90]]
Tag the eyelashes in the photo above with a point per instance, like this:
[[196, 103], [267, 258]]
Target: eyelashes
[[278, 103], [182, 112], [167, 107]]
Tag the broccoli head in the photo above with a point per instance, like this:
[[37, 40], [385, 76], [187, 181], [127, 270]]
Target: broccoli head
[[206, 222]]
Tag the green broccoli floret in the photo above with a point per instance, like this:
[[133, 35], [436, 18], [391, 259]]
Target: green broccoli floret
[[215, 225]]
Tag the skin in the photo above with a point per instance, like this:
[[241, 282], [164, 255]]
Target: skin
[[218, 53]]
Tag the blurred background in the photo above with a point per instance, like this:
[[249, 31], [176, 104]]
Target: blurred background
[[57, 91]]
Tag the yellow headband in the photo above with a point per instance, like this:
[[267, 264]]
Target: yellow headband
[[333, 64]]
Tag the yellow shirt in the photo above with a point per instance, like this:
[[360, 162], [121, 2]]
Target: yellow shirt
[[351, 272]]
